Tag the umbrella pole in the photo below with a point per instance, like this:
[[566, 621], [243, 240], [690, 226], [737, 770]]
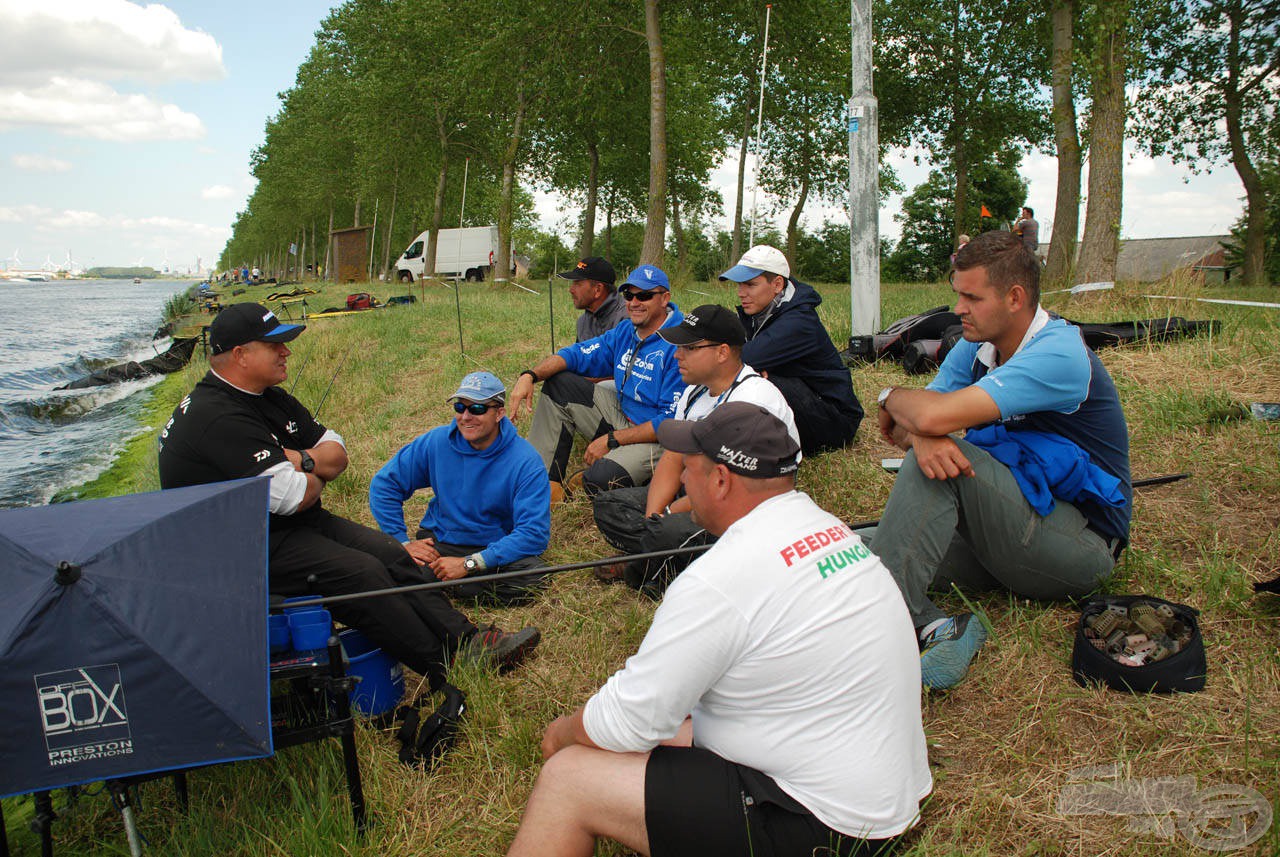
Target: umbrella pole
[[120, 793], [43, 823]]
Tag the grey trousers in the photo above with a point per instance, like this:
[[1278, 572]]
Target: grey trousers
[[980, 533], [569, 405], [620, 516]]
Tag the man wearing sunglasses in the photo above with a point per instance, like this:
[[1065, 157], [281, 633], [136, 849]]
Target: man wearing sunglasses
[[639, 520], [490, 510], [238, 423], [618, 417]]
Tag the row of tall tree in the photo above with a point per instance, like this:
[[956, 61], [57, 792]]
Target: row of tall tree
[[625, 107]]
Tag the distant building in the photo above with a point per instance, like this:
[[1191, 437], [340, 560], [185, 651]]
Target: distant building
[[1146, 260]]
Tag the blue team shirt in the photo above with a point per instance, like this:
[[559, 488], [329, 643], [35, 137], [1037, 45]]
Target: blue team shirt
[[1055, 384]]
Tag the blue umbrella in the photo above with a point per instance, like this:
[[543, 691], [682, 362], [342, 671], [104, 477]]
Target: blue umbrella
[[133, 636]]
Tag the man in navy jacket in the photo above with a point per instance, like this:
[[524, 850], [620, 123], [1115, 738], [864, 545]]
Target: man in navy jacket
[[787, 344]]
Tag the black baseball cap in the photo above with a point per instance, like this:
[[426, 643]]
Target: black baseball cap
[[241, 323], [711, 322], [591, 268], [742, 436]]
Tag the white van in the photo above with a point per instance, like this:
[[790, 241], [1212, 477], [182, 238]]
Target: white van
[[466, 254]]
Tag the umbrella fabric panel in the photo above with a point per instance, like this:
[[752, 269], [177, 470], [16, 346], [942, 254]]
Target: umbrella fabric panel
[[156, 658]]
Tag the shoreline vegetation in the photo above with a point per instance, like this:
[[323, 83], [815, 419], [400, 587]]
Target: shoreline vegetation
[[1003, 745]]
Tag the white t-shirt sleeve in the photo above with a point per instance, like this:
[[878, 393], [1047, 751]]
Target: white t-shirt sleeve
[[330, 434], [288, 486], [695, 637]]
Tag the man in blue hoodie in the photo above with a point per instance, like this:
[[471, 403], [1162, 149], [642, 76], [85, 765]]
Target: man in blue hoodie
[[490, 511], [787, 344], [620, 418], [958, 512]]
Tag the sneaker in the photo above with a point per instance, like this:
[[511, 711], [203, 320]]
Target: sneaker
[[506, 649], [946, 652]]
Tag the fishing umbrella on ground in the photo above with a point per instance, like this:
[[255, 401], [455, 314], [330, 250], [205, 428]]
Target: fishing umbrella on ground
[[133, 637]]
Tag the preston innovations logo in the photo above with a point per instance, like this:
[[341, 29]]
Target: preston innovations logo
[[83, 714]]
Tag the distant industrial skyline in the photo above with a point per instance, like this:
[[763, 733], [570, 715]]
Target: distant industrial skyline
[[126, 132]]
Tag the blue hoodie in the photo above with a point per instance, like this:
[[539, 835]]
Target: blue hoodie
[[497, 496], [649, 392]]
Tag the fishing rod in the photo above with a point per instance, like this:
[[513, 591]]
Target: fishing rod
[[298, 377], [332, 378], [595, 563]]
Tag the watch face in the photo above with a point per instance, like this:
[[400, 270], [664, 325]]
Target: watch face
[[469, 564]]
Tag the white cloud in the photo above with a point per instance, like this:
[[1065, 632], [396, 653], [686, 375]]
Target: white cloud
[[88, 109], [40, 164], [102, 40], [218, 191]]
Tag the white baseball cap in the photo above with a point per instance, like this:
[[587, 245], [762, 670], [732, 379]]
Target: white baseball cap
[[758, 260]]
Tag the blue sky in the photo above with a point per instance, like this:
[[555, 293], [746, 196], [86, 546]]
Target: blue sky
[[126, 130]]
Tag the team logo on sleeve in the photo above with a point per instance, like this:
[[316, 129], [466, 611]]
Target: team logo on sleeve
[[262, 455]]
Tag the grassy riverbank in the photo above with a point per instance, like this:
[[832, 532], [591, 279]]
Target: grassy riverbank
[[1003, 745]]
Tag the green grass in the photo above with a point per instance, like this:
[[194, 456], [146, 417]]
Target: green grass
[[1002, 745]]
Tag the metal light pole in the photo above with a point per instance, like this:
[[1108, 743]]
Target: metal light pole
[[864, 184]]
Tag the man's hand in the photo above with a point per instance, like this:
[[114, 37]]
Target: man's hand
[[887, 424], [423, 551], [520, 402], [565, 732], [295, 458], [596, 450], [449, 567], [940, 458]]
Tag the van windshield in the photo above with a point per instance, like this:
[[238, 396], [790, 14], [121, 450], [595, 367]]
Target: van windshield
[[414, 251]]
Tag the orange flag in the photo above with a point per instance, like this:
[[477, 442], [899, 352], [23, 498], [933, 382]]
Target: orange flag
[[986, 213]]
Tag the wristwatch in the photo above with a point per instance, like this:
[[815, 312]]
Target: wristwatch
[[612, 441], [308, 463], [472, 563], [884, 395]]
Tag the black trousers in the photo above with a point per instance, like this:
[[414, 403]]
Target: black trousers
[[822, 426], [329, 555], [620, 516], [505, 593]]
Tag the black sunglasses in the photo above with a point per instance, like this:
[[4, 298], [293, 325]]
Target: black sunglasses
[[699, 347], [477, 408], [643, 297]]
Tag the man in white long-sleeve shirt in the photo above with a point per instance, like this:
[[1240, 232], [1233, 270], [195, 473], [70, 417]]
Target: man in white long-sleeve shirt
[[772, 708]]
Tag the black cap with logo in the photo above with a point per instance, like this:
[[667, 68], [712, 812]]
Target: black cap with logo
[[249, 322], [742, 436], [591, 268], [711, 322]]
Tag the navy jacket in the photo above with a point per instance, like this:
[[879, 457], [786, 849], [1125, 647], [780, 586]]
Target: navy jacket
[[789, 341]]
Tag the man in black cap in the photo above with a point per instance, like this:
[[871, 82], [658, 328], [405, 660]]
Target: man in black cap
[[639, 520], [591, 287], [773, 706], [237, 423]]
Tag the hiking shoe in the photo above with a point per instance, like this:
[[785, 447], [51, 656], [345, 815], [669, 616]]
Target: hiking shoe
[[615, 573], [557, 493], [948, 649], [505, 649]]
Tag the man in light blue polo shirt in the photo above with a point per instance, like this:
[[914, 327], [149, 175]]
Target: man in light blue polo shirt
[[1037, 497]]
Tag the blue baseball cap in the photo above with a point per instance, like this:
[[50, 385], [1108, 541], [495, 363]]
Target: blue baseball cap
[[480, 387], [647, 278]]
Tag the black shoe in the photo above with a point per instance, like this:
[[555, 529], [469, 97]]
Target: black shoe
[[505, 649]]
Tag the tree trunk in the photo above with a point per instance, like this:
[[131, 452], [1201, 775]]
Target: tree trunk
[[608, 230], [502, 259], [655, 228], [1101, 243], [391, 223], [677, 229], [1255, 229], [1066, 210], [328, 247], [589, 213], [356, 219], [437, 216], [793, 227], [961, 161], [735, 249]]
